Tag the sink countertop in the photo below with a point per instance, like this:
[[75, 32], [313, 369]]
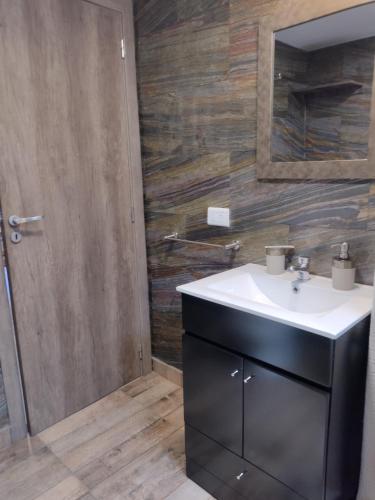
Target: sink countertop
[[316, 308]]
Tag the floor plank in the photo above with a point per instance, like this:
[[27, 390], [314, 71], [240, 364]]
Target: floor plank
[[82, 446], [31, 477], [29, 466], [189, 490], [106, 423], [129, 445], [130, 449], [154, 475], [81, 455], [141, 384], [69, 489], [19, 452], [154, 394], [85, 417]]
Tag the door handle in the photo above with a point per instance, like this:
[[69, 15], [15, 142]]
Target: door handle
[[236, 372], [247, 379], [15, 220]]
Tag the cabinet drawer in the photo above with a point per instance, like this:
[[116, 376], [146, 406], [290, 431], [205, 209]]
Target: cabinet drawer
[[213, 392], [211, 483], [227, 476], [304, 354]]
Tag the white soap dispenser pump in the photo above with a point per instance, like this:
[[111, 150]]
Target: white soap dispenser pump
[[343, 270]]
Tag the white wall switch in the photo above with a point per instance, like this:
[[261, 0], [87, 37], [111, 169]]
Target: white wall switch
[[218, 216]]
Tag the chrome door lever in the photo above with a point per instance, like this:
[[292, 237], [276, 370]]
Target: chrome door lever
[[15, 221]]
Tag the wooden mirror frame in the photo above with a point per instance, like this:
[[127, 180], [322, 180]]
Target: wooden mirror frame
[[295, 12]]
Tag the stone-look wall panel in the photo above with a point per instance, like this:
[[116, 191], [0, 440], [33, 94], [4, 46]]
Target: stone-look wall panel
[[197, 70]]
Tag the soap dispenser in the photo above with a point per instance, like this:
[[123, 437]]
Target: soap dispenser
[[275, 256], [343, 270]]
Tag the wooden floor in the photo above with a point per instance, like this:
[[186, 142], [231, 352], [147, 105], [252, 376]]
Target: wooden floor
[[129, 445]]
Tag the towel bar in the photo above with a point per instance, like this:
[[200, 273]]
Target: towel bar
[[235, 245]]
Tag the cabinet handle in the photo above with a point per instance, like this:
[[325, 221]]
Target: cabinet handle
[[247, 379], [241, 475], [236, 372]]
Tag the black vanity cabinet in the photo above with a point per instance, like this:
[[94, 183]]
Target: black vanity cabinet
[[265, 424]]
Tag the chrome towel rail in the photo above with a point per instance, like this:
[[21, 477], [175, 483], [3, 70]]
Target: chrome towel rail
[[235, 245]]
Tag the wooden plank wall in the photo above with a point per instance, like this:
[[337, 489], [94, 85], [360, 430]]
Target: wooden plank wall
[[197, 80]]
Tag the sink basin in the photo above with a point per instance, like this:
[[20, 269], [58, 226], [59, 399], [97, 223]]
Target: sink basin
[[316, 307], [274, 292]]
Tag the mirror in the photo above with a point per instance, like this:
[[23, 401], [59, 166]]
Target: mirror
[[322, 87], [316, 108]]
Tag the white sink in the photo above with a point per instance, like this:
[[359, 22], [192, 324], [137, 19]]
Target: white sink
[[316, 307]]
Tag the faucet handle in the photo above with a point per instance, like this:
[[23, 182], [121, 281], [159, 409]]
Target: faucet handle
[[304, 261], [300, 262], [344, 250]]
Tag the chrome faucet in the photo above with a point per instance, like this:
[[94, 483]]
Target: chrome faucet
[[301, 266]]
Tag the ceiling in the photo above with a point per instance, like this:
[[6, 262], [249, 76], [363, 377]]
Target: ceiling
[[344, 26]]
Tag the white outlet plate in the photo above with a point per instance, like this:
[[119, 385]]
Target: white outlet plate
[[218, 216]]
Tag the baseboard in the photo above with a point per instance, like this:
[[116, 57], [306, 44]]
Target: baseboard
[[167, 371]]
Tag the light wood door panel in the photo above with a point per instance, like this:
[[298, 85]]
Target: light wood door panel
[[65, 154]]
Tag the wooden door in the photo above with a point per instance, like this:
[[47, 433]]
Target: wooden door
[[64, 137], [213, 392]]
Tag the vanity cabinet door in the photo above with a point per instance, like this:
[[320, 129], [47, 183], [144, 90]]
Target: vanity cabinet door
[[213, 392], [285, 429]]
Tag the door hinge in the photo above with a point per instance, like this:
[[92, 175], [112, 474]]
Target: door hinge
[[123, 48], [140, 352]]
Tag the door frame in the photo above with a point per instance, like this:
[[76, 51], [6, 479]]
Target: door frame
[[136, 176], [10, 365], [8, 347]]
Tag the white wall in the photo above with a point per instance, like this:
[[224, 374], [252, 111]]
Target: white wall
[[367, 484]]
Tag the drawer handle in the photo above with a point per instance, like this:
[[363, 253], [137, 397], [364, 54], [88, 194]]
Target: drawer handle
[[247, 379], [241, 475], [236, 372]]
